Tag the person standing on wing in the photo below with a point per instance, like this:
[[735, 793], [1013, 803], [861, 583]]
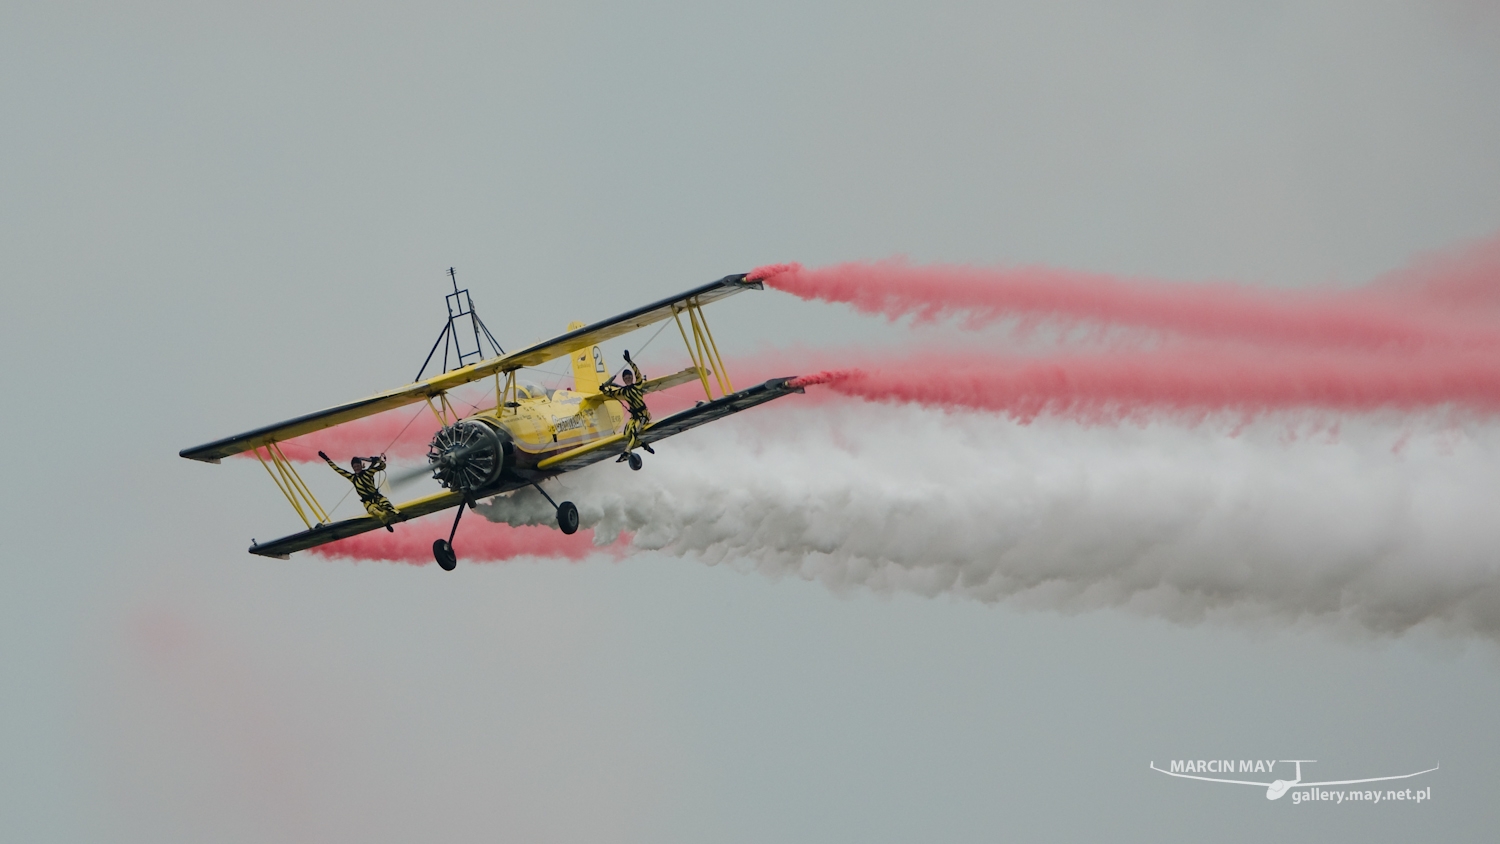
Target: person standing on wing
[[632, 394], [363, 477]]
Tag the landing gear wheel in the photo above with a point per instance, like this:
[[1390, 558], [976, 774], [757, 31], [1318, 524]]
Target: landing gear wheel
[[567, 517], [635, 461], [442, 551]]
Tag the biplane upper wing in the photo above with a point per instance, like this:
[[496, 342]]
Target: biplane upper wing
[[538, 353], [675, 424], [589, 335]]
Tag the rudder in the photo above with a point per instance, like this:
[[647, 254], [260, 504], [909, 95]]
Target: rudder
[[589, 370]]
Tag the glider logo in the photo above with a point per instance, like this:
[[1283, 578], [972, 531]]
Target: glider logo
[[1193, 769]]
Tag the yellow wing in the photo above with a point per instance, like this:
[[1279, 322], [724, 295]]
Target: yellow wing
[[324, 534], [538, 353]]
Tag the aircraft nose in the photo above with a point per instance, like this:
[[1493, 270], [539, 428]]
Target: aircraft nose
[[1277, 789]]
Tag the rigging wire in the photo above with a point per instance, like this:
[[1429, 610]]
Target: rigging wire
[[653, 337]]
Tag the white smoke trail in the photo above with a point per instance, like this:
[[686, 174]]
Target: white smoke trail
[[1367, 527]]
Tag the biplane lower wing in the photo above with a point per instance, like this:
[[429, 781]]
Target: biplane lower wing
[[674, 424], [324, 534], [564, 344]]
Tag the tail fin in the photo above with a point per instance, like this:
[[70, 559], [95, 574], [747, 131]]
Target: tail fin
[[589, 370]]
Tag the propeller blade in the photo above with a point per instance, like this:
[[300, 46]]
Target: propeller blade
[[409, 474]]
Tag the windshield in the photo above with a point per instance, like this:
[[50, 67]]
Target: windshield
[[531, 390]]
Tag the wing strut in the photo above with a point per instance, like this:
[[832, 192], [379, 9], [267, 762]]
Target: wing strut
[[702, 348], [292, 486]]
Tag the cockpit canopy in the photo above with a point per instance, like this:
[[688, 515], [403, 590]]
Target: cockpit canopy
[[531, 390]]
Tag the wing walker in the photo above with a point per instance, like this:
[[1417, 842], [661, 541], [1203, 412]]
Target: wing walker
[[530, 434]]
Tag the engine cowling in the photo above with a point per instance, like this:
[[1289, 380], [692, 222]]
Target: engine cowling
[[467, 455]]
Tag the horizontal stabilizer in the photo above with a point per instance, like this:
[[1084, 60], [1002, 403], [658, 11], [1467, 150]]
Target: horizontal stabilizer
[[666, 382]]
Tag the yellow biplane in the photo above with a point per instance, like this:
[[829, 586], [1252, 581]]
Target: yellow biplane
[[530, 435]]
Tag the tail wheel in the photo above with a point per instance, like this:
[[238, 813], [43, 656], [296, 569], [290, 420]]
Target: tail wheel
[[635, 461], [442, 551], [567, 517]]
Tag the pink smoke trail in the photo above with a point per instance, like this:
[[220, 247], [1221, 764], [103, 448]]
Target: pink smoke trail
[[1182, 382], [1382, 317], [478, 540], [402, 434], [1463, 277]]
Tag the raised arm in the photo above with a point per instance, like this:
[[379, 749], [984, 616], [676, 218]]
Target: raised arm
[[336, 467]]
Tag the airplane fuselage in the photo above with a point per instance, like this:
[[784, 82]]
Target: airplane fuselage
[[543, 426]]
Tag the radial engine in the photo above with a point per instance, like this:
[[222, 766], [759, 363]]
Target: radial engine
[[467, 456]]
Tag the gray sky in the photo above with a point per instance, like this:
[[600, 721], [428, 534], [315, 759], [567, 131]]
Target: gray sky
[[212, 217]]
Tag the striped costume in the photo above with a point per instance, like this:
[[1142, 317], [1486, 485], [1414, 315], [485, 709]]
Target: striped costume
[[377, 505], [633, 396]]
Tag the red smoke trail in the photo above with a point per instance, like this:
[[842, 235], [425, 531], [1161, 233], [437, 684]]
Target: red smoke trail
[[402, 433], [1382, 317], [1465, 276], [478, 540], [1190, 382]]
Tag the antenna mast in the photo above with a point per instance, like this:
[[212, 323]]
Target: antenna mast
[[461, 305]]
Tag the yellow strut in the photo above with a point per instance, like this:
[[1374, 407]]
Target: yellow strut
[[292, 486], [444, 411], [702, 349], [284, 490], [697, 364], [708, 350], [312, 503], [715, 346], [508, 396]]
